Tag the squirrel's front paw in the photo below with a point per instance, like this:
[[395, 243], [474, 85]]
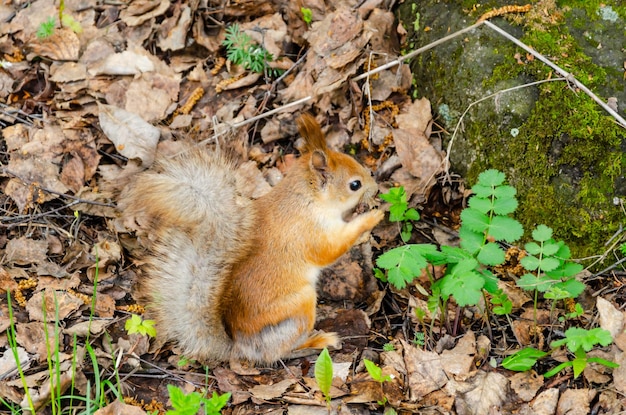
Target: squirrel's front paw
[[373, 217]]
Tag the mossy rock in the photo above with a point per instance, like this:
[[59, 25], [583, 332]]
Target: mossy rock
[[560, 149]]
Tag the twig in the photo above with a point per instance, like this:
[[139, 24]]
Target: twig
[[560, 71], [417, 52]]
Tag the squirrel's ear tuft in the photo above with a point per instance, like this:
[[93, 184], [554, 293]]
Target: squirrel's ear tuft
[[319, 165], [311, 131]]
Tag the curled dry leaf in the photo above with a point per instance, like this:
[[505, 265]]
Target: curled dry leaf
[[133, 137], [141, 11]]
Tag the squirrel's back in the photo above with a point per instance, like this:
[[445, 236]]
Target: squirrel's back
[[195, 226]]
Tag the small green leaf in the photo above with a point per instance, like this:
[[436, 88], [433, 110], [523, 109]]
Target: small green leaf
[[578, 338], [568, 269], [412, 214], [485, 192], [471, 241], [215, 403], [480, 204], [491, 254], [503, 228], [403, 263], [530, 282], [573, 287], [375, 371], [542, 233], [557, 369], [474, 220], [504, 206], [530, 262], [184, 404], [324, 373], [46, 28], [556, 293], [550, 248], [307, 15], [505, 192], [463, 282], [523, 360], [532, 248], [491, 177], [396, 212]]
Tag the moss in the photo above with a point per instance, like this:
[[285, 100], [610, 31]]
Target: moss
[[567, 160]]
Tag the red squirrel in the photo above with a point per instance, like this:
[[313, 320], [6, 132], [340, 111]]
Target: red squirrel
[[227, 277]]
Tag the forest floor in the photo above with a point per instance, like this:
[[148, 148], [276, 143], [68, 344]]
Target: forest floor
[[86, 104]]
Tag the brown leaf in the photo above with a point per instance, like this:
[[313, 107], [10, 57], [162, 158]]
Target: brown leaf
[[268, 392], [526, 384], [62, 45], [575, 401], [425, 371], [32, 337], [118, 407], [479, 394], [133, 137], [57, 303], [141, 11], [25, 251], [458, 361]]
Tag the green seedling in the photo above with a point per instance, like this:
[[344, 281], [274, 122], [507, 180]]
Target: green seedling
[[578, 341], [399, 211], [241, 50], [307, 15], [135, 324], [377, 374], [324, 373], [191, 403]]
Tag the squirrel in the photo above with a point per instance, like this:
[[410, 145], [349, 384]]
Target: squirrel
[[231, 278]]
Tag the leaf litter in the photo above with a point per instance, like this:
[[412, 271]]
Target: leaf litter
[[135, 77]]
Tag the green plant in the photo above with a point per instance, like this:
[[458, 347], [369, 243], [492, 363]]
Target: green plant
[[135, 324], [483, 223], [324, 373], [191, 403], [377, 374], [375, 371], [388, 347], [46, 28], [419, 339], [399, 211], [241, 51], [578, 341], [307, 15]]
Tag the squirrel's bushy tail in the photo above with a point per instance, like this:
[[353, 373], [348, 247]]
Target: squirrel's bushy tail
[[195, 225]]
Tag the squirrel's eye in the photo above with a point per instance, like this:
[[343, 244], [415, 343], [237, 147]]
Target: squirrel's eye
[[355, 185]]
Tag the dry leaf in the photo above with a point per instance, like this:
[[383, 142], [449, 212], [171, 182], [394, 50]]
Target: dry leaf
[[62, 45], [611, 318], [479, 394], [133, 137], [57, 303], [425, 371], [25, 251], [575, 401], [526, 384]]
